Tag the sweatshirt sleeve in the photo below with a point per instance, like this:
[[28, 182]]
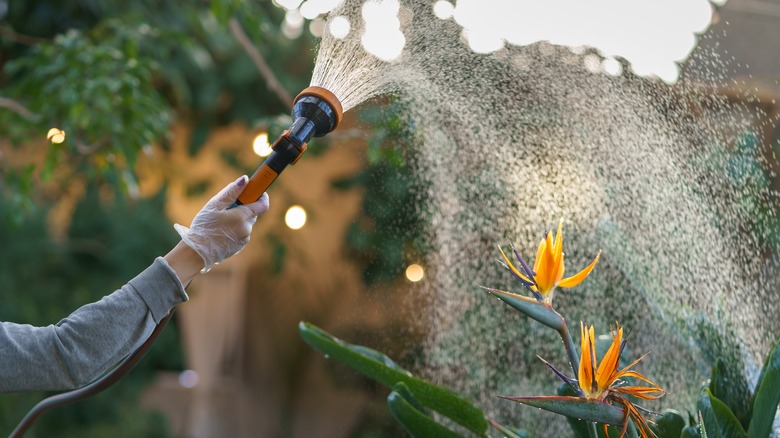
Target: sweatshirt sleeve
[[78, 349]]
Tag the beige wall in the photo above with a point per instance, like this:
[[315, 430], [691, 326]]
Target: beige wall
[[256, 376]]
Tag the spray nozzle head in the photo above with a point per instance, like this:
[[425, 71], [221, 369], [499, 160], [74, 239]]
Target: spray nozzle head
[[319, 106]]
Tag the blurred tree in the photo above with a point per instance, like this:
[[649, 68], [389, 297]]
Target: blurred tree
[[44, 280], [113, 75]]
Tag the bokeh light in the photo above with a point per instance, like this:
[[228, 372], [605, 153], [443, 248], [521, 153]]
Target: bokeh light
[[288, 4], [414, 272], [188, 378], [317, 27], [292, 26], [295, 218], [56, 135], [443, 9], [339, 27], [383, 37], [653, 37], [612, 67], [312, 9], [261, 146]]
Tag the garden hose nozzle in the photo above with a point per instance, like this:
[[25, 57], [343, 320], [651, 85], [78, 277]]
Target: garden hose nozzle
[[316, 112]]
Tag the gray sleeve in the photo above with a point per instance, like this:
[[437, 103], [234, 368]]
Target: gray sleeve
[[82, 346]]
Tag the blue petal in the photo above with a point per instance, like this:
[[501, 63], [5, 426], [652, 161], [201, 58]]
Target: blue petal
[[527, 270]]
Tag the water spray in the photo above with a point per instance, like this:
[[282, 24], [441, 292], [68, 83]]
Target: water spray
[[316, 112]]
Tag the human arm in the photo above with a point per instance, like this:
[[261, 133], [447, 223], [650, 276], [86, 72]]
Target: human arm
[[185, 262], [79, 348]]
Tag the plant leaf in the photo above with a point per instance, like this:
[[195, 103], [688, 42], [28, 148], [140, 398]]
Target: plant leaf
[[702, 429], [530, 307], [404, 408], [575, 407], [690, 432], [406, 393], [728, 384], [767, 396], [669, 425], [379, 367], [579, 427], [508, 433], [717, 417]]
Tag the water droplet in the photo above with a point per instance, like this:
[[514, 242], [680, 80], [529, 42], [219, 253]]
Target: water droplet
[[512, 140]]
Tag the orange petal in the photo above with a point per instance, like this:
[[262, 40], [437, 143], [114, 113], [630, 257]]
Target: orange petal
[[512, 267], [557, 253], [593, 358], [539, 254], [585, 375], [560, 272], [611, 362], [543, 266], [549, 270], [637, 376], [559, 240], [625, 404], [578, 277], [643, 392], [639, 420], [626, 373]]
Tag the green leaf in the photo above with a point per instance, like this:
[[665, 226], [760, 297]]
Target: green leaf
[[691, 432], [718, 418], [508, 433], [575, 407], [406, 410], [702, 429], [579, 427], [532, 308], [406, 393], [379, 357], [728, 383], [669, 425], [382, 369], [767, 396]]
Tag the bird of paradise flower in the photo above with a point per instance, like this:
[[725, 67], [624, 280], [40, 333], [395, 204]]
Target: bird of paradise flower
[[604, 382], [601, 387], [549, 267]]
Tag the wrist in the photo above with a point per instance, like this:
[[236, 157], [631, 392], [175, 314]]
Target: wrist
[[185, 262]]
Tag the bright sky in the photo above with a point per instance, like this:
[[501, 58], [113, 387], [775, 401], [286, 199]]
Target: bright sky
[[653, 35]]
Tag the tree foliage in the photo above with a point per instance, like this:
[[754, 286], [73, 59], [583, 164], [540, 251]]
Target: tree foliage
[[115, 75]]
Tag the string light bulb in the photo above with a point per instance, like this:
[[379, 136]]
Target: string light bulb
[[414, 272], [261, 146], [295, 218], [56, 135]]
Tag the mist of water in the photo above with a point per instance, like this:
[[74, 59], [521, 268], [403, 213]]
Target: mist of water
[[659, 178]]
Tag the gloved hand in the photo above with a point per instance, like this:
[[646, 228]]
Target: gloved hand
[[217, 233]]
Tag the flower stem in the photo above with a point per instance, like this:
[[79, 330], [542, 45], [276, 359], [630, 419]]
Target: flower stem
[[592, 433], [570, 349]]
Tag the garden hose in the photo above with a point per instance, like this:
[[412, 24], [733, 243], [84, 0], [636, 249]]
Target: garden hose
[[93, 388]]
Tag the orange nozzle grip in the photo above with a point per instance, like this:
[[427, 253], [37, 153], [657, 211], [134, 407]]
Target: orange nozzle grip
[[258, 184]]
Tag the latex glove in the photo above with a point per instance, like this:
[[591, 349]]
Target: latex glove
[[217, 233]]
